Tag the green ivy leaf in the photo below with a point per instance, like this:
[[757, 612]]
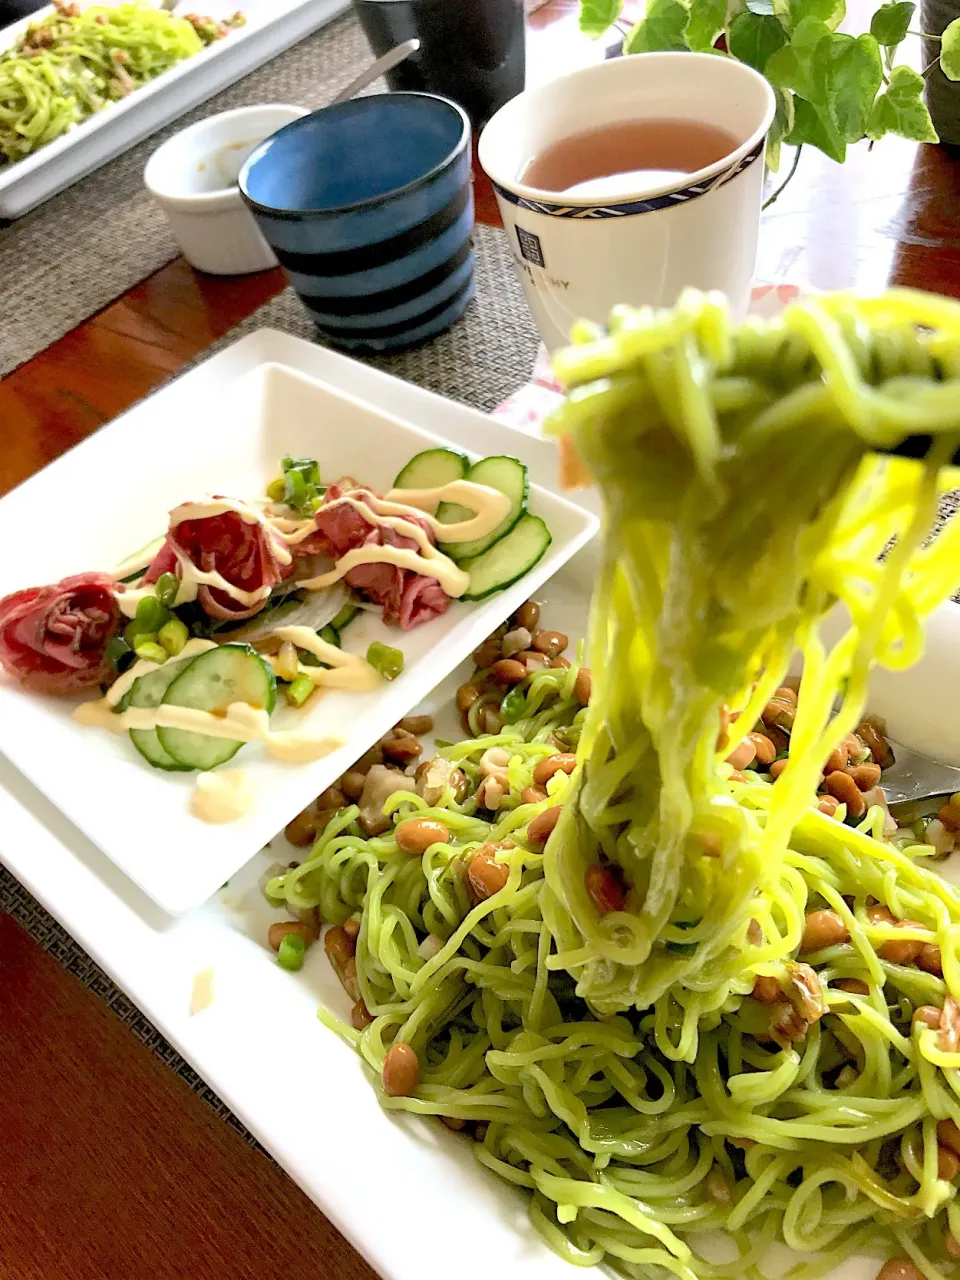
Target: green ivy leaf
[[813, 125], [753, 38], [950, 50], [835, 78], [901, 109], [705, 24], [781, 126], [660, 31], [848, 72], [889, 24], [792, 12], [598, 16], [792, 67]]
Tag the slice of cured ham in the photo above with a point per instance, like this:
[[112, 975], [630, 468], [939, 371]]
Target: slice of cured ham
[[407, 598], [248, 555], [53, 639]]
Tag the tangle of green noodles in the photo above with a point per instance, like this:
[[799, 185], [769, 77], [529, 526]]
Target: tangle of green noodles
[[741, 501], [66, 68], [618, 1065]]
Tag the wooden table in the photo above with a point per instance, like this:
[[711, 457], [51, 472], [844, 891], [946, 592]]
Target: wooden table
[[110, 1167]]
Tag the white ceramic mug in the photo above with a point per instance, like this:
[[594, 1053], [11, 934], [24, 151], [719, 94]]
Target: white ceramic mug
[[193, 179], [579, 258]]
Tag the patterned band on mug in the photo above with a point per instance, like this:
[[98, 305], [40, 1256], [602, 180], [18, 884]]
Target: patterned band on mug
[[651, 204]]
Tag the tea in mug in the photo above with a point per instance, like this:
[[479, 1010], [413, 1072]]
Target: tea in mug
[[627, 158]]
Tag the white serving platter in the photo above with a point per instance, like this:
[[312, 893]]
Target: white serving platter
[[272, 26], [407, 1193], [181, 444]]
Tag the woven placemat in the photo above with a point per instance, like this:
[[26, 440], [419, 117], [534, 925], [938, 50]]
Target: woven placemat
[[78, 252], [483, 359]]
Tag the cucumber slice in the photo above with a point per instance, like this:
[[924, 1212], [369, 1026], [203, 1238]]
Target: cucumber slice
[[432, 468], [149, 691], [509, 559], [507, 476], [230, 673]]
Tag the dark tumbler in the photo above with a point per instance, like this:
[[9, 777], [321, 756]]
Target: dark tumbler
[[470, 50], [11, 10]]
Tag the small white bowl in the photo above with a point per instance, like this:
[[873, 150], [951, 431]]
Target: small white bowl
[[193, 179]]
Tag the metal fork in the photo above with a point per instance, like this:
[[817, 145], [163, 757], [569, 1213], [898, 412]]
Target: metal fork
[[916, 786]]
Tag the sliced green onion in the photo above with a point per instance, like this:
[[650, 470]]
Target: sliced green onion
[[301, 484], [173, 635], [513, 705], [134, 632], [150, 651], [166, 588], [295, 494], [117, 649], [299, 690], [151, 614], [276, 489], [330, 635], [307, 467], [388, 662], [290, 954]]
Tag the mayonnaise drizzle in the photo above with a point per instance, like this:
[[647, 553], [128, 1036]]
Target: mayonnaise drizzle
[[222, 797], [240, 721], [349, 670], [192, 578], [489, 505], [429, 561], [491, 508], [143, 667], [202, 996]]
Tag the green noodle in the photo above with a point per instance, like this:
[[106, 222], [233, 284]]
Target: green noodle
[[620, 1069], [68, 66]]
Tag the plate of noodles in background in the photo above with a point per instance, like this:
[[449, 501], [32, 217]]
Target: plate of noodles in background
[[63, 114], [678, 1153]]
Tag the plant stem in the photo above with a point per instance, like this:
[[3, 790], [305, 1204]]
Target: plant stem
[[779, 191]]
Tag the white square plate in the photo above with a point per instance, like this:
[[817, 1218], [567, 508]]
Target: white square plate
[[407, 1193], [272, 26], [130, 475]]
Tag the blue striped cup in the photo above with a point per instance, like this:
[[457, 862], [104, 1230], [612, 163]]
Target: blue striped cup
[[368, 206]]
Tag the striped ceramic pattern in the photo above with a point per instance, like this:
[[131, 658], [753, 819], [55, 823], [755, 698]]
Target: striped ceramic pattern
[[649, 205], [388, 272]]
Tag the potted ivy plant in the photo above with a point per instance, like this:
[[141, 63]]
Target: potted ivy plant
[[832, 88]]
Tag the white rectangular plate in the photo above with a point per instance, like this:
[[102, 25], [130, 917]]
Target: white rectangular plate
[[272, 26], [182, 444], [406, 1192]]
